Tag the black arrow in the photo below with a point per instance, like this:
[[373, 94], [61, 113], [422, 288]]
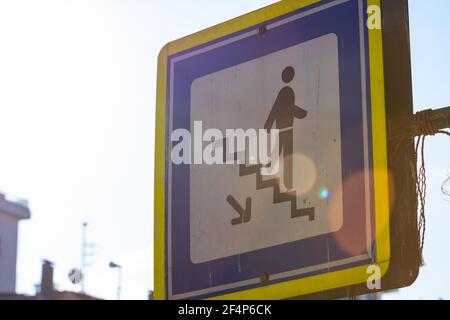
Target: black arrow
[[245, 215]]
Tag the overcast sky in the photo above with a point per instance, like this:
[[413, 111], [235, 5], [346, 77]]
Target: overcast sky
[[77, 91]]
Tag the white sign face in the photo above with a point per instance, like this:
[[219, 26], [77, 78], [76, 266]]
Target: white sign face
[[242, 97]]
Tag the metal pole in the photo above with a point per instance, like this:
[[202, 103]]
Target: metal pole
[[114, 265], [440, 118], [119, 286], [83, 255]]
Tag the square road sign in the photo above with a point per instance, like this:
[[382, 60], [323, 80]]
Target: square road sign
[[314, 71]]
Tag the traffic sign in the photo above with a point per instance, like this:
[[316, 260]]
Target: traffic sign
[[312, 73]]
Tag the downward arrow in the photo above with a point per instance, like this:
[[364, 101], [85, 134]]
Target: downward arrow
[[245, 215]]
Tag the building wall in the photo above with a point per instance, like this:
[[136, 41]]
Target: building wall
[[8, 253]]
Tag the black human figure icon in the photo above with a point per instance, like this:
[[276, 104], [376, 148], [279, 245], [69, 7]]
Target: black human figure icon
[[283, 113]]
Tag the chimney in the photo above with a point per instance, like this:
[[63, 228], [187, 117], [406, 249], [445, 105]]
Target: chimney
[[47, 290]]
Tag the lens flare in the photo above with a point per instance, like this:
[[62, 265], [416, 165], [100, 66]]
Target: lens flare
[[324, 193], [305, 173]]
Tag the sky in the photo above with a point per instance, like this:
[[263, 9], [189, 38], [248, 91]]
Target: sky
[[77, 92]]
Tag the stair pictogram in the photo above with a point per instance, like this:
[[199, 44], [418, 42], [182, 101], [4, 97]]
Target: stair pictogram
[[278, 196]]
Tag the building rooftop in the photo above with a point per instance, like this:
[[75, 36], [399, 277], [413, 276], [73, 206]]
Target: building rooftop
[[14, 207], [58, 295]]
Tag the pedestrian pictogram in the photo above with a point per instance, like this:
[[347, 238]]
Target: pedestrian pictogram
[[283, 114]]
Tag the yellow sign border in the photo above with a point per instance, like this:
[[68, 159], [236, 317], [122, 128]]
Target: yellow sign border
[[314, 284]]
